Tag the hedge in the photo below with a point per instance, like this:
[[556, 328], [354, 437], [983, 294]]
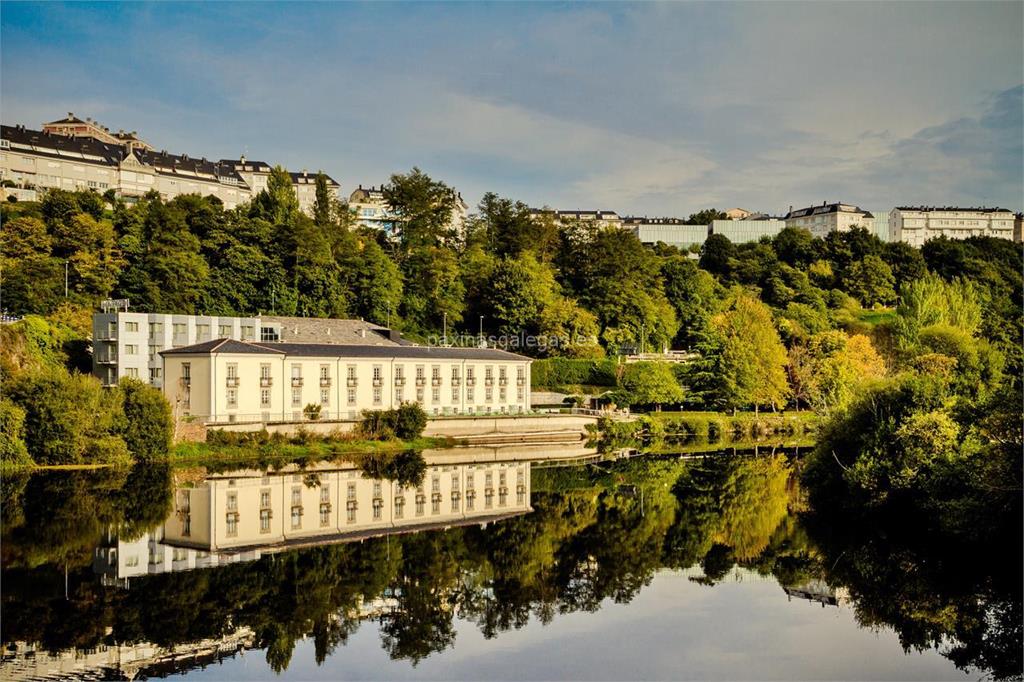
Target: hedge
[[572, 372]]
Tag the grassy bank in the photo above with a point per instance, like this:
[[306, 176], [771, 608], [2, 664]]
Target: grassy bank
[[650, 429]]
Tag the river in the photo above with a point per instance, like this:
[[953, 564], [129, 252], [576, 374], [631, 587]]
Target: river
[[504, 563]]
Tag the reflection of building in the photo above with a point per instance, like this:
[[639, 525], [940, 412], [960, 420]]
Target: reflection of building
[[816, 590], [119, 661], [224, 381], [917, 224], [248, 511], [821, 220], [242, 515], [127, 344]]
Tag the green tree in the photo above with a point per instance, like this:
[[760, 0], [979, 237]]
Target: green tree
[[716, 254], [424, 209], [651, 383], [746, 357], [871, 281], [324, 202], [148, 424]]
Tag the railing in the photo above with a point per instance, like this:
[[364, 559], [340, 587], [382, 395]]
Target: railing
[[520, 381], [377, 382], [325, 382], [489, 381], [296, 382], [232, 382], [107, 335], [456, 381], [351, 382], [109, 359], [503, 381], [435, 381], [266, 382], [420, 382], [470, 381], [399, 381]]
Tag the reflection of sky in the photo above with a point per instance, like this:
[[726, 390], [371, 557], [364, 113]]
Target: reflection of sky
[[673, 629]]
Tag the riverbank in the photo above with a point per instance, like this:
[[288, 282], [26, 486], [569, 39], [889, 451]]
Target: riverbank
[[202, 454], [714, 426]]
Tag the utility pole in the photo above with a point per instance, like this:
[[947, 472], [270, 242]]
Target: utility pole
[[444, 340], [65, 279]]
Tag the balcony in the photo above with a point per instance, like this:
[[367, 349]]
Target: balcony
[[435, 381], [456, 381], [325, 382], [231, 382], [107, 335], [470, 381], [351, 382], [297, 382], [420, 382], [520, 381], [503, 381], [108, 359], [266, 382], [377, 382], [489, 381], [399, 381]]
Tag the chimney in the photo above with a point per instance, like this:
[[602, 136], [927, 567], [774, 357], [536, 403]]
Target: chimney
[[71, 114], [362, 333], [242, 159]]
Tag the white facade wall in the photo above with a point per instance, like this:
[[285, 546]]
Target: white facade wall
[[253, 387], [916, 226], [820, 225]]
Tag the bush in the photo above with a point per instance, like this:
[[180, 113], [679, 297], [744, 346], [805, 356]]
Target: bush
[[148, 424], [572, 372], [407, 423], [12, 435], [312, 411]]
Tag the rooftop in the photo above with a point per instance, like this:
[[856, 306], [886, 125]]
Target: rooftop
[[825, 208], [327, 350], [975, 209]]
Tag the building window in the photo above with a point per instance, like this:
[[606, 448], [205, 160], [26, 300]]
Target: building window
[[351, 396], [377, 396], [154, 373], [131, 349], [131, 326], [156, 329], [264, 520], [325, 514], [232, 524], [269, 334], [419, 395], [232, 397], [469, 394], [325, 396], [435, 395], [455, 395], [264, 397], [224, 331], [248, 332], [132, 372], [520, 394], [502, 394], [488, 394], [399, 506], [399, 395], [296, 397], [179, 329]]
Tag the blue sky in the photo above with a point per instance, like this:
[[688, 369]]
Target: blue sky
[[656, 109]]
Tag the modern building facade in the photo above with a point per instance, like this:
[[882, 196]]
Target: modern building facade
[[837, 217], [917, 224], [746, 230], [127, 344], [227, 381], [670, 231], [80, 158]]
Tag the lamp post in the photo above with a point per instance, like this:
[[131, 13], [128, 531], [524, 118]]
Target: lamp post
[[65, 279], [482, 330], [444, 339]]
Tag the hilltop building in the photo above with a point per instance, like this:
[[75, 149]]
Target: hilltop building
[[917, 224], [371, 210], [600, 218], [75, 154], [737, 214], [821, 220], [750, 229], [671, 231]]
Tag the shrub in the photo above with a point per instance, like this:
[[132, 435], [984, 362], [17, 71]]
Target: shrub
[[148, 424], [12, 435], [407, 423], [312, 411], [568, 372], [410, 421]]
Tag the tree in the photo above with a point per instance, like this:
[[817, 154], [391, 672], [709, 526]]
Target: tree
[[694, 294], [277, 203], [706, 216], [796, 246], [509, 228], [424, 209], [716, 254], [148, 424], [32, 280], [871, 281], [376, 285], [323, 205], [746, 356], [651, 383]]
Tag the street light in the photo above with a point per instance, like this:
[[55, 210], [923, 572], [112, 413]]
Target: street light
[[482, 330]]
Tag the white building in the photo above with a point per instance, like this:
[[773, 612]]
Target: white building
[[599, 218], [739, 231], [127, 344], [671, 231], [77, 156], [228, 381], [917, 224], [837, 217]]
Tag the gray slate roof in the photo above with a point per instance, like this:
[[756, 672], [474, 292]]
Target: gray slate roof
[[324, 350]]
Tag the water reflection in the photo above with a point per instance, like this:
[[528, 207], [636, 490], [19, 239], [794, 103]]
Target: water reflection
[[142, 573]]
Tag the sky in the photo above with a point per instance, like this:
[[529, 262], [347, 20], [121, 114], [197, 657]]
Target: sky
[[657, 109]]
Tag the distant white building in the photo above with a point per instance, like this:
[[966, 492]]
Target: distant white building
[[600, 218], [837, 217], [670, 231], [746, 230], [371, 209], [917, 224]]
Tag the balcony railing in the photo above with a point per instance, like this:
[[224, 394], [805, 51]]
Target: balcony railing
[[520, 381], [351, 382], [232, 382], [470, 381], [489, 381], [325, 382], [503, 381], [399, 381], [107, 335], [435, 381], [266, 382], [456, 381], [297, 382], [420, 381], [377, 382], [109, 359]]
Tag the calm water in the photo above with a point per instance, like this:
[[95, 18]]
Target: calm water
[[496, 564]]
